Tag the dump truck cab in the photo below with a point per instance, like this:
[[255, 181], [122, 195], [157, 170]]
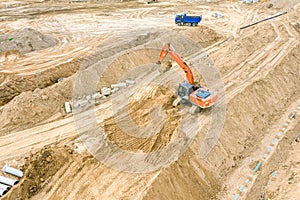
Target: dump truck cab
[[179, 17]]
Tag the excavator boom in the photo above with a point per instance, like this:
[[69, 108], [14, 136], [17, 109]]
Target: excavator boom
[[167, 49]]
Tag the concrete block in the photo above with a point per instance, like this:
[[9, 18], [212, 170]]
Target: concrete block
[[130, 82], [105, 91], [68, 107], [119, 85], [114, 90], [97, 95]]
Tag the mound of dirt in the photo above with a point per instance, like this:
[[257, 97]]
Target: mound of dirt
[[26, 40], [125, 63], [38, 170], [12, 85], [35, 106], [107, 50], [165, 66], [186, 178], [202, 35]]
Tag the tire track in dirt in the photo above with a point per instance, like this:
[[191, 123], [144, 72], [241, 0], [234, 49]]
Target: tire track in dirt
[[49, 58], [265, 59]]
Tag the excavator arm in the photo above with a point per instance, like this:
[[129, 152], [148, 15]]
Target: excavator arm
[[167, 49]]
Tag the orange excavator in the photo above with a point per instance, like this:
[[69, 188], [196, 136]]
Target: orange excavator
[[198, 96]]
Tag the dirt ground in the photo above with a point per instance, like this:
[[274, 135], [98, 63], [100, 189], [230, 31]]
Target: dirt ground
[[53, 51]]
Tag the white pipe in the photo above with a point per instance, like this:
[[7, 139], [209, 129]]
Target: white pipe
[[8, 181], [3, 192], [4, 187], [130, 82], [13, 171]]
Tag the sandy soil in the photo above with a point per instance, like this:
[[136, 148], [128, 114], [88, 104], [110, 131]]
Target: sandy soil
[[259, 72]]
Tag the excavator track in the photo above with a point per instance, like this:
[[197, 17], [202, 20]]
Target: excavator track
[[177, 101]]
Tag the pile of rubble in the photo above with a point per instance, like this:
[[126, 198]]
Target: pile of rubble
[[94, 99]]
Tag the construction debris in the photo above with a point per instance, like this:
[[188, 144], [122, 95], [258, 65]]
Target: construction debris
[[250, 1], [262, 196], [114, 90], [119, 85], [105, 91], [97, 95], [296, 138], [7, 183], [80, 103], [95, 98], [60, 79], [218, 15], [292, 115]]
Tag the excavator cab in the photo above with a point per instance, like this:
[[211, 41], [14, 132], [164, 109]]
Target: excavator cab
[[184, 90]]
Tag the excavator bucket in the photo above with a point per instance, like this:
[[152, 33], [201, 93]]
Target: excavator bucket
[[165, 66]]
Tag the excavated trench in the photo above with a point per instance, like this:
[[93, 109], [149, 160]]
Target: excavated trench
[[13, 85]]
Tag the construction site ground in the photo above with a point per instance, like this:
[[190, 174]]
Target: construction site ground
[[258, 69]]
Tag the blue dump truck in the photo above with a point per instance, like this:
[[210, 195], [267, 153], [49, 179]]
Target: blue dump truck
[[183, 19]]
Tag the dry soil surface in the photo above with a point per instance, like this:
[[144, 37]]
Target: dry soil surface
[[257, 80]]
